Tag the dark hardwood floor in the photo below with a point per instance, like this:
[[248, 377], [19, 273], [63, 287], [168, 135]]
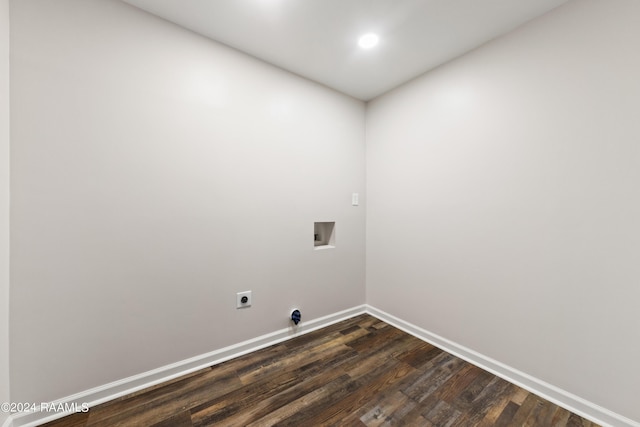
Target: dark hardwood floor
[[359, 372]]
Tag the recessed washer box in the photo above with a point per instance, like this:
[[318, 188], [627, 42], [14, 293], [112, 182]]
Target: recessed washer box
[[324, 235]]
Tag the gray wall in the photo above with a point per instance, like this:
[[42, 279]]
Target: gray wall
[[4, 205], [503, 201], [156, 173]]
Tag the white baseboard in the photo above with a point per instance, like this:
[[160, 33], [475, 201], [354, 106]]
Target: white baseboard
[[545, 390], [98, 395]]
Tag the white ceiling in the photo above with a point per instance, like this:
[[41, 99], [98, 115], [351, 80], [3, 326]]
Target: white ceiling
[[317, 39]]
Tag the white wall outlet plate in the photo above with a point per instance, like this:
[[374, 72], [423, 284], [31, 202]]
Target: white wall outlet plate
[[243, 299]]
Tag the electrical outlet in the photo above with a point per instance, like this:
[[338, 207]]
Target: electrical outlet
[[243, 299]]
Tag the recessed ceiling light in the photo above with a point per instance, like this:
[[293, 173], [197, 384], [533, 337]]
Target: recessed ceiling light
[[368, 41]]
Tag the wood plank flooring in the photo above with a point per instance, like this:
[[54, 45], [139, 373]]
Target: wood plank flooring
[[359, 372]]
